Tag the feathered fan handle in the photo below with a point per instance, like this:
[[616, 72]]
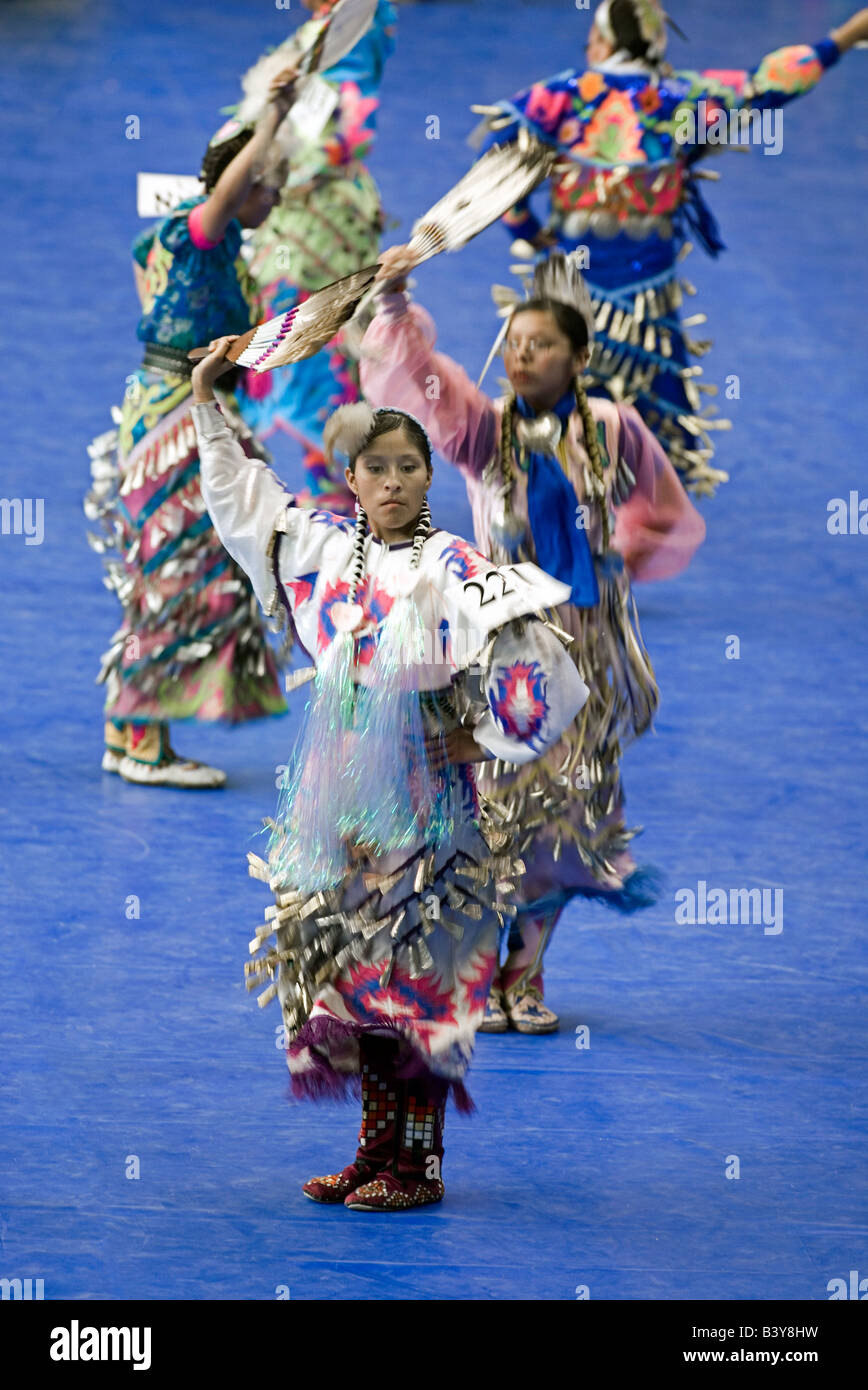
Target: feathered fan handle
[[232, 354], [312, 58], [427, 240], [302, 330]]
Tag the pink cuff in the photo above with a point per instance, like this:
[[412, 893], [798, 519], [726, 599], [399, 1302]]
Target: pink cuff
[[730, 77], [197, 236]]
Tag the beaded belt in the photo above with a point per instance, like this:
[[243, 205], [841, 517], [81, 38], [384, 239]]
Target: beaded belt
[[167, 359]]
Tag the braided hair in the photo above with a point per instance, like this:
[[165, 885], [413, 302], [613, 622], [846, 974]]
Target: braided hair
[[574, 327], [219, 156], [385, 422]]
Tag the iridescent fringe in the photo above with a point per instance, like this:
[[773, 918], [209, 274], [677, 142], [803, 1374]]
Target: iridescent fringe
[[392, 795], [306, 845], [360, 775]]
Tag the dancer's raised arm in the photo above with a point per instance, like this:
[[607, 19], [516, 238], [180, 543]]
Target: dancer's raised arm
[[246, 501], [590, 115], [239, 179], [401, 367]]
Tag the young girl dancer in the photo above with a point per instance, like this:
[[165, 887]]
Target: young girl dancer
[[192, 644], [546, 468], [385, 865], [327, 224], [631, 133]]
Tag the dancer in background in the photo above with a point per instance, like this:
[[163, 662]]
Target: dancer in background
[[631, 132], [192, 644], [385, 865], [327, 224], [545, 470]]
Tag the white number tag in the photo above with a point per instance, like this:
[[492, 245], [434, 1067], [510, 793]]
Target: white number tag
[[497, 595], [311, 112], [158, 194]]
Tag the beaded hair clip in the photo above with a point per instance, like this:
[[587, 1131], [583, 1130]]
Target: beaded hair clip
[[301, 331]]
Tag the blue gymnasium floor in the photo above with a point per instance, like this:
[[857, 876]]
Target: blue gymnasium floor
[[602, 1167]]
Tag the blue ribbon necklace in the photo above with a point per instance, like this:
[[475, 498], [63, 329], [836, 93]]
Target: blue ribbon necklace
[[561, 545]]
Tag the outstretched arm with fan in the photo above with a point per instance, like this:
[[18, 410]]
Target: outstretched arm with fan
[[240, 190], [480, 198]]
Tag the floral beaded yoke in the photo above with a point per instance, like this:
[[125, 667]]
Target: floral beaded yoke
[[627, 190]]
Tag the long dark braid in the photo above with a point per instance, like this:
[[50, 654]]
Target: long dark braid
[[592, 447], [421, 534], [358, 561], [507, 455]]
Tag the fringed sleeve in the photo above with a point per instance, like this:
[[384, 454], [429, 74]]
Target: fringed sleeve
[[657, 529], [400, 368]]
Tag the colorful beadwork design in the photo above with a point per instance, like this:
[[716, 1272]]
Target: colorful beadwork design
[[520, 705], [462, 560], [626, 191], [303, 587], [375, 603], [419, 1126], [334, 1187], [388, 1193], [379, 1106], [192, 295]]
